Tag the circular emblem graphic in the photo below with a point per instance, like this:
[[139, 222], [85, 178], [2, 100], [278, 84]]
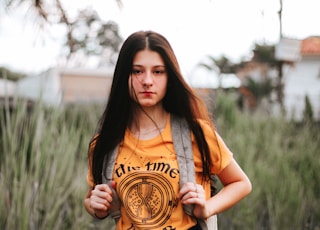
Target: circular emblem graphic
[[148, 198]]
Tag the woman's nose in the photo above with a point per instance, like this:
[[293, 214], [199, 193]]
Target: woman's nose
[[148, 78]]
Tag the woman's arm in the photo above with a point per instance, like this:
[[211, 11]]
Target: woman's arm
[[236, 186]]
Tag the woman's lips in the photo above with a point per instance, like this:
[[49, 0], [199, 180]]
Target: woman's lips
[[147, 93]]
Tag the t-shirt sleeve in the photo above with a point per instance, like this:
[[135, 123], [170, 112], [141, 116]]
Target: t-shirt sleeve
[[220, 154], [225, 155]]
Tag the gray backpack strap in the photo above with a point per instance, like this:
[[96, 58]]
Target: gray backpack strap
[[183, 147], [108, 166]]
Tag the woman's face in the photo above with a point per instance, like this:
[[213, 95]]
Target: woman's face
[[148, 79]]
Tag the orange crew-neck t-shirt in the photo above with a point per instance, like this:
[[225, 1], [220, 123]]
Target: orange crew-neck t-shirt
[[147, 177]]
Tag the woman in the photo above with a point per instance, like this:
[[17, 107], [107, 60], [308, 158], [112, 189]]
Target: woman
[[148, 89]]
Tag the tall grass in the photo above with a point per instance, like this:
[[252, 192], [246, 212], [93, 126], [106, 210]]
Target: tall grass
[[43, 166], [282, 159]]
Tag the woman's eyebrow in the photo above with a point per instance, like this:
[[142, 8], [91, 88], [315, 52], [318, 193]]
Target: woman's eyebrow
[[155, 66]]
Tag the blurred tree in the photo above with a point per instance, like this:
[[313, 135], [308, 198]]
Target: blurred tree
[[93, 37], [265, 54], [308, 110], [210, 64], [38, 5], [106, 34], [10, 75], [223, 63], [259, 89]]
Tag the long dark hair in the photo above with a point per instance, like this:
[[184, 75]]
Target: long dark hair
[[118, 114]]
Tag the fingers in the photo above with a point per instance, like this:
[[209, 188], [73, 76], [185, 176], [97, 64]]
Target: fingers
[[101, 197], [191, 193]]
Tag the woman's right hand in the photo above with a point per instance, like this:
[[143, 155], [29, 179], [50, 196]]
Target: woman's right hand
[[100, 200]]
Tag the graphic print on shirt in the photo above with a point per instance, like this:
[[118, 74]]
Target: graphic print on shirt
[[148, 198]]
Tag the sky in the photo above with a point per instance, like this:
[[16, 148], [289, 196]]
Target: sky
[[195, 28]]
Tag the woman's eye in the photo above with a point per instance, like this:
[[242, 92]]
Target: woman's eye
[[136, 71], [158, 72]]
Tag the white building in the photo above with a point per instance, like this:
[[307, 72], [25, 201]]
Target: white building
[[60, 86], [303, 79], [7, 88]]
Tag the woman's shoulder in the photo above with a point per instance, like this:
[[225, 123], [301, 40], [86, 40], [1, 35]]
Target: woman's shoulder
[[221, 154], [210, 132], [207, 129]]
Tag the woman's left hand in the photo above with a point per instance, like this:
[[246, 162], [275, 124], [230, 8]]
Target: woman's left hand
[[191, 193]]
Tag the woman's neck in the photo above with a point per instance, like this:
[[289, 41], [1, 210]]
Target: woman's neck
[[149, 122]]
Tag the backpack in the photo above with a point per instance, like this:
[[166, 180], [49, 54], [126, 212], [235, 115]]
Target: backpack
[[183, 147]]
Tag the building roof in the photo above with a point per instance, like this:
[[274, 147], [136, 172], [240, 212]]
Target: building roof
[[310, 46]]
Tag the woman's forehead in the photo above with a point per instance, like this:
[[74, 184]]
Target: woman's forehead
[[148, 58]]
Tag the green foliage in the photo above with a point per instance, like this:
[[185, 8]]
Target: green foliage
[[43, 166], [223, 63], [308, 110], [265, 54], [282, 160], [225, 109], [10, 75], [261, 88], [85, 34], [93, 36]]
